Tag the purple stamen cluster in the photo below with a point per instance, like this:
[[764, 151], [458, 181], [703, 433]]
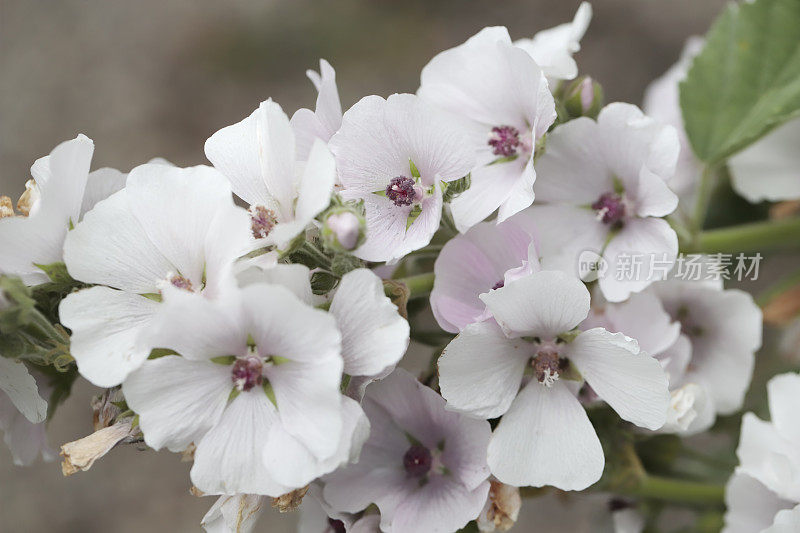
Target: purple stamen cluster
[[547, 365], [610, 208], [262, 220], [181, 282], [504, 140], [401, 191], [417, 460], [246, 373]]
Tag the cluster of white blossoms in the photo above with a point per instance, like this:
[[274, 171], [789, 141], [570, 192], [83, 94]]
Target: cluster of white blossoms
[[253, 314]]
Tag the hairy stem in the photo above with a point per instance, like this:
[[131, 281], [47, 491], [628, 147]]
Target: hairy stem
[[754, 237]]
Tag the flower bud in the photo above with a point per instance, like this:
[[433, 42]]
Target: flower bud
[[583, 98], [343, 229]]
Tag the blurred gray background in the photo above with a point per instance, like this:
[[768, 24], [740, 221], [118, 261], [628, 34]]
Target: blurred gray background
[[149, 78]]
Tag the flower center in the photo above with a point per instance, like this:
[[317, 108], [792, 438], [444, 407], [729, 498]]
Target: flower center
[[176, 280], [417, 460], [401, 191], [548, 365], [262, 220], [505, 141], [247, 372], [336, 525], [610, 208]]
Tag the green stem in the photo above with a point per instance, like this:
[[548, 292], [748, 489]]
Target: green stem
[[703, 198], [323, 260], [678, 491], [418, 286], [47, 329], [754, 237]]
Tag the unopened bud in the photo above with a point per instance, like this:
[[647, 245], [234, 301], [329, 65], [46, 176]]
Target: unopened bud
[[583, 98], [344, 229]]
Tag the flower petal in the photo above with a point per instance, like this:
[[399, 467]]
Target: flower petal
[[631, 382], [177, 400], [110, 247], [101, 184], [21, 389], [374, 335], [108, 332], [783, 393], [543, 304], [228, 458], [546, 439], [635, 256], [178, 228], [307, 385], [481, 370], [751, 506]]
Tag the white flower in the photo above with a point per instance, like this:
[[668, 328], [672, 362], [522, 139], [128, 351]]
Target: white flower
[[258, 156], [605, 183], [720, 333], [326, 119], [552, 49], [504, 95], [394, 154], [764, 492], [424, 467], [545, 437], [374, 335], [53, 203], [482, 259], [255, 387], [169, 228]]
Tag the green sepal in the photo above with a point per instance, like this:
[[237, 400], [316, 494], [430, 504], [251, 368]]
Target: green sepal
[[416, 211], [453, 188], [157, 353], [506, 159], [270, 392], [414, 170], [223, 360]]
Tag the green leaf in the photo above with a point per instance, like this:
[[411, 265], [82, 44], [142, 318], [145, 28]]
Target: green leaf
[[746, 81], [323, 282]]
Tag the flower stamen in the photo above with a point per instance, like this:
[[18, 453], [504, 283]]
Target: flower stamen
[[262, 220], [402, 191]]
